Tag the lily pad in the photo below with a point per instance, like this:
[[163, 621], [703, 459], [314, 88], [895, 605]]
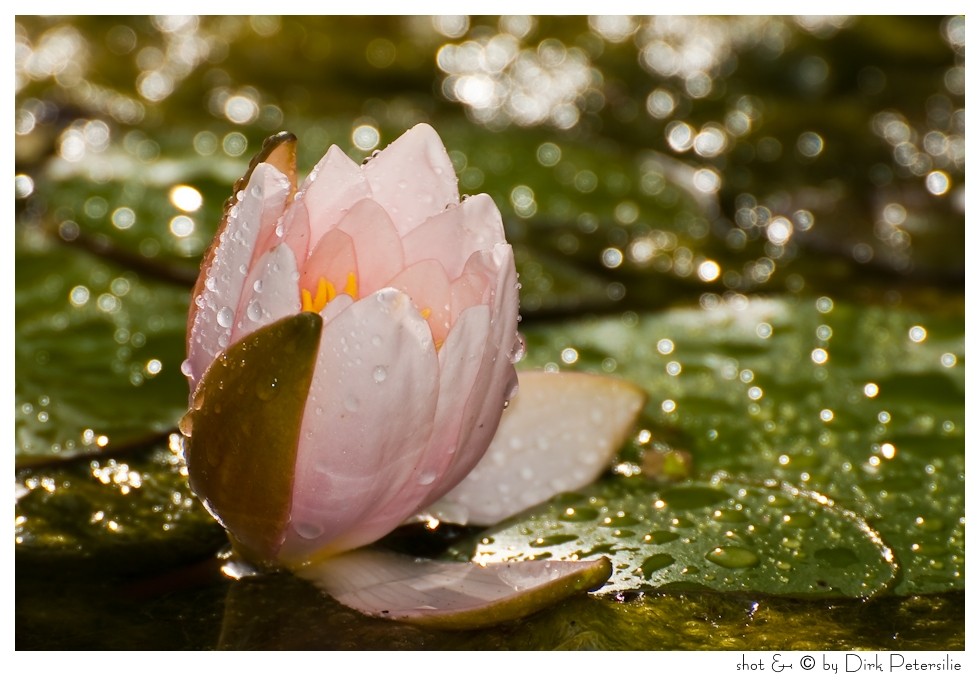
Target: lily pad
[[861, 404], [98, 354], [106, 516], [724, 535]]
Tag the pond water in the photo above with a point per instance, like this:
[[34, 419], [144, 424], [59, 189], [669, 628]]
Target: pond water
[[759, 220]]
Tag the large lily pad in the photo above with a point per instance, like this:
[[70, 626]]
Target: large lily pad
[[98, 354], [861, 405], [724, 535]]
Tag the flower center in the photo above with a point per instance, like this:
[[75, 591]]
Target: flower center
[[326, 291]]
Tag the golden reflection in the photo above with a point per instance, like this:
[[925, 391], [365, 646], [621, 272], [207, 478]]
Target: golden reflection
[[500, 80]]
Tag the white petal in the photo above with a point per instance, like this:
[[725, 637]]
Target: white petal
[[270, 293], [496, 381], [332, 187], [365, 427], [457, 408], [454, 235], [413, 178], [451, 595], [217, 301], [558, 434]]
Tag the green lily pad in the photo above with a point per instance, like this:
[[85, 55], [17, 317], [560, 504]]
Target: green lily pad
[[724, 535], [98, 354], [108, 516], [863, 405]]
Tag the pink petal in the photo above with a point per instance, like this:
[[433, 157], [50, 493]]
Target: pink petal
[[413, 178], [451, 595], [454, 235], [459, 364], [559, 433], [473, 286], [270, 292], [332, 187], [217, 300], [460, 361], [366, 424], [333, 260], [295, 227], [496, 379], [427, 285], [376, 245]]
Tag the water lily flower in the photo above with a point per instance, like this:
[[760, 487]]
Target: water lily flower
[[349, 353]]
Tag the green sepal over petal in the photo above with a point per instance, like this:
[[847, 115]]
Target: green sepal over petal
[[244, 429]]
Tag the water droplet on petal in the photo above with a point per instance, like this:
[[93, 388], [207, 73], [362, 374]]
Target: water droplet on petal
[[519, 350], [309, 530], [225, 317], [427, 477], [352, 403], [257, 286], [254, 311], [186, 368], [380, 374]]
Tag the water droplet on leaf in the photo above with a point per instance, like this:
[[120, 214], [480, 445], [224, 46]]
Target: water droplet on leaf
[[733, 557]]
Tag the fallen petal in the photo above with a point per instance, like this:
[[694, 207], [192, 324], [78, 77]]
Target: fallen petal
[[450, 595], [558, 434]]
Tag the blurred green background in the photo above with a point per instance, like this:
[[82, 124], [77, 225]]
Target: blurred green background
[[758, 219]]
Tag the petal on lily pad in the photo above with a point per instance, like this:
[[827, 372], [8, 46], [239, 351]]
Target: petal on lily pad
[[558, 434], [451, 595]]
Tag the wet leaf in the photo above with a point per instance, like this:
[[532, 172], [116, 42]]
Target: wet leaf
[[722, 535], [835, 399], [98, 354]]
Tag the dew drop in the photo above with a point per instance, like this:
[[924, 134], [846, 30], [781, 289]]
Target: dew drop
[[657, 561], [257, 286], [225, 317], [380, 374], [426, 477], [309, 530], [351, 403], [519, 350], [266, 390], [254, 311], [186, 368], [733, 557], [553, 540], [661, 537], [800, 520], [186, 424]]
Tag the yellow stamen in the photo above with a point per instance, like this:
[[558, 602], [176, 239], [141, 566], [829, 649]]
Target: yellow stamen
[[351, 287], [323, 290], [326, 292], [426, 313]]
